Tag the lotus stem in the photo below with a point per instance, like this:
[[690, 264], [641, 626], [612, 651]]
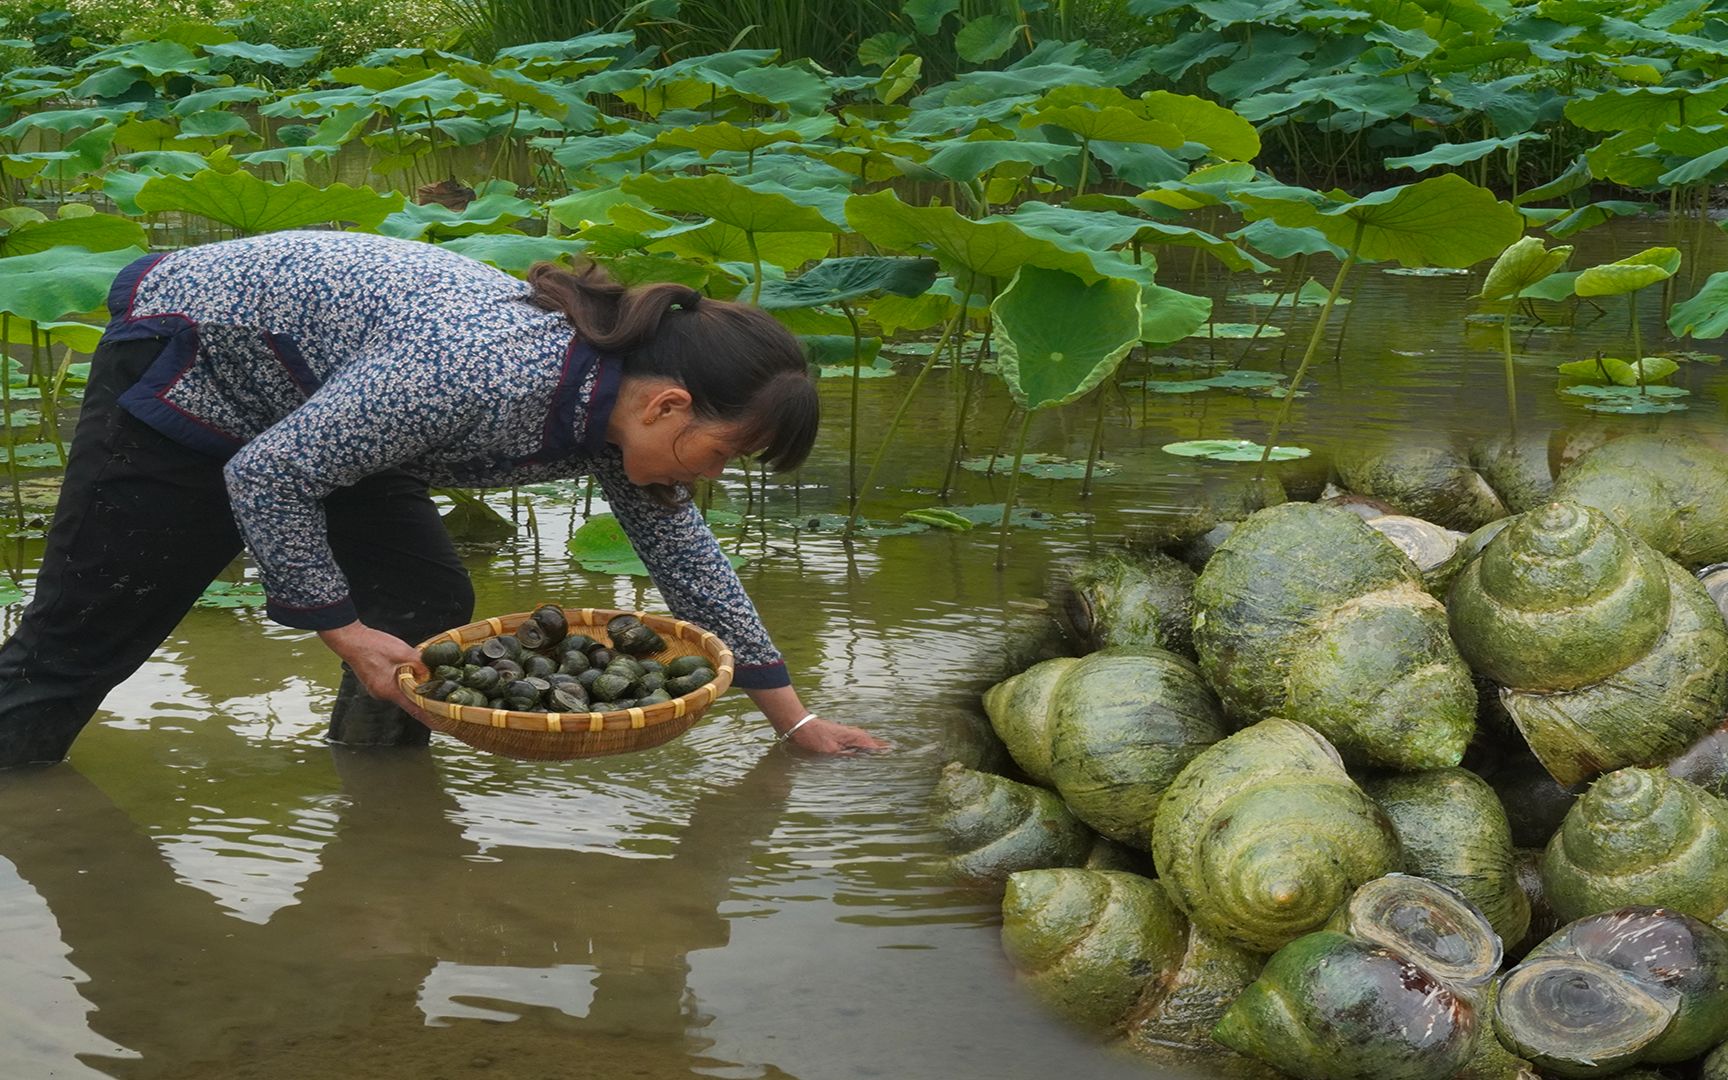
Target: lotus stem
[[1097, 443], [1313, 347], [971, 379], [1085, 150], [900, 414], [1013, 490], [756, 267], [1637, 334], [1506, 352], [852, 435], [6, 410]]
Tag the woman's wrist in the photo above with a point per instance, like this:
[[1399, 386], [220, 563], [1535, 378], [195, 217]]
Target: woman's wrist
[[781, 706]]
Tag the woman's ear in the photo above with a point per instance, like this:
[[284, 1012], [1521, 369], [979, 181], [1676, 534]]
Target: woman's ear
[[665, 403]]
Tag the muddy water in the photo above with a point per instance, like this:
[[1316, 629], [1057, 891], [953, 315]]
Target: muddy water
[[208, 890]]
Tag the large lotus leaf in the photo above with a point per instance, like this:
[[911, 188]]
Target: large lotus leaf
[[794, 89], [165, 162], [1220, 130], [1060, 336], [251, 205], [1283, 242], [986, 249], [1647, 107], [493, 212], [1455, 154], [1104, 229], [439, 93], [64, 121], [805, 183], [970, 159], [569, 48], [155, 57], [1554, 288], [601, 546], [927, 15], [213, 123], [556, 101], [1628, 158], [218, 95], [576, 210], [266, 54], [836, 281], [717, 242], [724, 199], [1521, 266], [49, 285], [1112, 124], [94, 232], [1629, 274], [1705, 315], [1169, 315], [1699, 168], [1369, 96], [1441, 221], [985, 38], [512, 252], [78, 336], [579, 154], [1591, 215], [709, 139]]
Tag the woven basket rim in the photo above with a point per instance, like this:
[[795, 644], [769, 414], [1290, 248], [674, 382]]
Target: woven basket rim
[[471, 721]]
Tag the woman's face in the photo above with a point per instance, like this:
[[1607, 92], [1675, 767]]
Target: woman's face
[[677, 449]]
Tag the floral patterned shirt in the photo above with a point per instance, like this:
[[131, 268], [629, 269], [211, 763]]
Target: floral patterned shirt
[[309, 360]]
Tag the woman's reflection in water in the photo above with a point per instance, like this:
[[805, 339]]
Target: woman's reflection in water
[[404, 950]]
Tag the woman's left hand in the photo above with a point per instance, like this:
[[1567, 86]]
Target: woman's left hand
[[826, 737]]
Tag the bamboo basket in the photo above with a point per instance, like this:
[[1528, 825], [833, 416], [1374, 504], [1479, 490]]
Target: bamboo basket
[[559, 736]]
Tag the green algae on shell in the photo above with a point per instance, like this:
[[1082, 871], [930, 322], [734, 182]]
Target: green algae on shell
[[1435, 483], [995, 827], [1088, 941], [1123, 723], [1454, 831], [1019, 711], [1671, 491], [1131, 598]]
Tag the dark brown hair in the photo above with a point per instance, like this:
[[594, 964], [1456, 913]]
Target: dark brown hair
[[740, 366]]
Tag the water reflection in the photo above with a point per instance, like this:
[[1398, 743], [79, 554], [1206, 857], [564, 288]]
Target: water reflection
[[405, 947]]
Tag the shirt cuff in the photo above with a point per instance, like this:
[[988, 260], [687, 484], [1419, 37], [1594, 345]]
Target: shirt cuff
[[328, 617], [761, 676]]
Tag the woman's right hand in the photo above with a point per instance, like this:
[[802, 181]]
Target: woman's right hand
[[374, 657]]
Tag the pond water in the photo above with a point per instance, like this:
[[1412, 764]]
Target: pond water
[[208, 890]]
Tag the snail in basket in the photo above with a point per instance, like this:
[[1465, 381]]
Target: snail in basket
[[542, 667]]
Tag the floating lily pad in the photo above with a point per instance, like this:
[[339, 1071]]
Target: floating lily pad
[[1423, 271], [879, 368], [835, 523], [1183, 362], [1521, 324], [601, 546], [1236, 330], [940, 517], [1040, 466], [232, 594], [32, 456], [1312, 294], [10, 591], [1024, 517], [1620, 372], [1693, 356], [1232, 450], [1224, 380], [1615, 393]]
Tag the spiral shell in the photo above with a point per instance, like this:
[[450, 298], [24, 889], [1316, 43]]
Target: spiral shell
[[1432, 925], [1131, 598], [995, 826], [1672, 492], [1432, 548], [1263, 835], [1639, 836], [1331, 1007], [1606, 653], [1454, 831], [1019, 710], [1123, 722], [1435, 483], [1088, 941], [1637, 984], [1383, 683]]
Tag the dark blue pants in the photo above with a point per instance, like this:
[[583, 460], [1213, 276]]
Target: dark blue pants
[[143, 525]]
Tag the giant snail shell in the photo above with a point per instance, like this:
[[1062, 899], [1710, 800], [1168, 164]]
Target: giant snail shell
[[1108, 731], [1639, 836], [1672, 492], [1517, 467], [1109, 951], [1131, 598], [995, 826], [1454, 831], [1638, 984], [1606, 653], [1088, 941], [1705, 762], [1392, 987], [1019, 710], [1435, 483], [1264, 834], [1715, 1064], [1433, 549], [1307, 613], [1123, 723]]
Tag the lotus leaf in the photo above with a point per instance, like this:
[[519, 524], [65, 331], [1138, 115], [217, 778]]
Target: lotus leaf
[[927, 15], [600, 545], [1061, 336], [48, 285], [1705, 314], [837, 349], [266, 54], [97, 232], [251, 205], [1169, 315], [512, 252], [970, 159], [1233, 450], [1222, 131], [493, 212], [726, 200], [985, 38], [1629, 274], [1443, 221], [836, 281], [1458, 153], [1646, 107], [987, 249], [1521, 266]]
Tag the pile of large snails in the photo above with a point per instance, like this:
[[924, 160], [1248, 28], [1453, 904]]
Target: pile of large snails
[[543, 667], [1315, 795]]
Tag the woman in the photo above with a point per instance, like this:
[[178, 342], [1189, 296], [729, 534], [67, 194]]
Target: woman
[[298, 392]]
